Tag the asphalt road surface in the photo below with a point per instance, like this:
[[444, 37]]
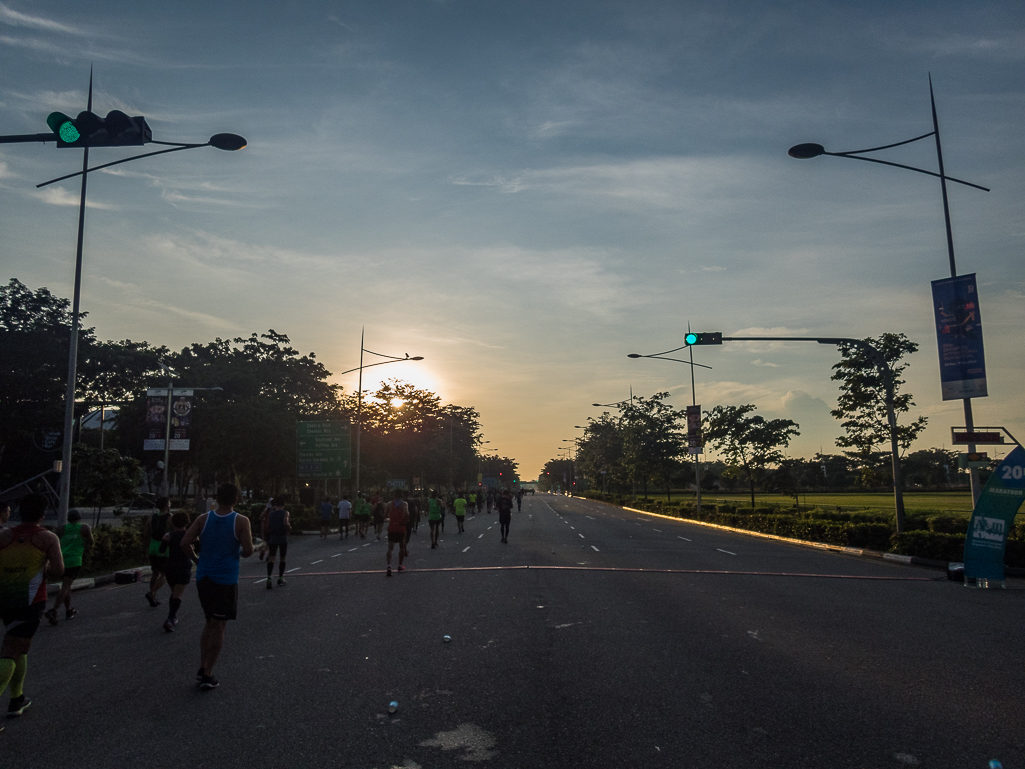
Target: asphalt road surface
[[595, 638]]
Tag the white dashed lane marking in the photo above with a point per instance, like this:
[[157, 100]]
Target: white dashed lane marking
[[337, 554], [595, 549], [354, 550], [580, 535], [725, 551], [683, 538], [316, 562], [480, 536], [658, 530], [295, 569], [466, 548]]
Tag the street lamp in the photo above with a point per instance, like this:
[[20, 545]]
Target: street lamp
[[116, 130], [359, 391], [811, 150], [690, 340]]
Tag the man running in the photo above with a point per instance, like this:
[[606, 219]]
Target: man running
[[344, 514], [460, 510], [153, 534], [398, 519], [29, 554], [505, 504], [377, 510], [275, 528], [179, 567], [225, 536], [74, 537], [435, 509], [362, 515]]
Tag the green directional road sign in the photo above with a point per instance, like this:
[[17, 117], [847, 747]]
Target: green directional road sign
[[322, 450]]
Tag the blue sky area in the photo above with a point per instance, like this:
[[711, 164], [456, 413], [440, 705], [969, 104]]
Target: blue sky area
[[525, 192]]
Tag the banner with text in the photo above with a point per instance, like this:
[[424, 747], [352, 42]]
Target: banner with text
[[156, 419], [959, 338], [993, 517], [322, 450]]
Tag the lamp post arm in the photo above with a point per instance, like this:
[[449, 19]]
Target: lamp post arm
[[909, 168], [370, 365], [123, 160], [676, 360]]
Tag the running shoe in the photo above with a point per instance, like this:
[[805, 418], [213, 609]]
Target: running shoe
[[168, 626], [52, 616], [200, 674], [281, 581], [17, 706], [70, 613], [389, 572], [402, 568], [208, 682], [269, 585], [153, 602]]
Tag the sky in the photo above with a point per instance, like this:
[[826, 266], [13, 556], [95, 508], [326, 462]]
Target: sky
[[525, 192]]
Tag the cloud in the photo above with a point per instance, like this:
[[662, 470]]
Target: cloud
[[58, 196], [760, 362], [16, 19]]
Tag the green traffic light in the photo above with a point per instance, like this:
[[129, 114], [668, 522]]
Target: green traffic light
[[69, 133], [691, 338]]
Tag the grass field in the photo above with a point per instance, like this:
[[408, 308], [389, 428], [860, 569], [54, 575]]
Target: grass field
[[952, 503]]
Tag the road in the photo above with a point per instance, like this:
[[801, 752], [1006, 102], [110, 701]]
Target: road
[[596, 637]]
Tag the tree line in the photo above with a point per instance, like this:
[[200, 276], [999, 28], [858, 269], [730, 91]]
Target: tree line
[[245, 432], [643, 444]]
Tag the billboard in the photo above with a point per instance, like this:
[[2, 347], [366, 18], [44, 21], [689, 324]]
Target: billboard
[[959, 338], [322, 450], [156, 419]]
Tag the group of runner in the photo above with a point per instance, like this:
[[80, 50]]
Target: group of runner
[[30, 555]]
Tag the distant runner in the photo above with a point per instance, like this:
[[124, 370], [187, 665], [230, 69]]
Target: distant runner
[[460, 510], [179, 567], [362, 515], [153, 534], [505, 504], [275, 528], [326, 508], [29, 554], [398, 520], [75, 537], [344, 514], [434, 513]]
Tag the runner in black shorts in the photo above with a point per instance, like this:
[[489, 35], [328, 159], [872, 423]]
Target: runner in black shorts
[[179, 567], [398, 521], [275, 526], [153, 535]]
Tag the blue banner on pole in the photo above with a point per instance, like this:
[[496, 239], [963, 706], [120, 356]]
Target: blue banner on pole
[[959, 338], [993, 517]]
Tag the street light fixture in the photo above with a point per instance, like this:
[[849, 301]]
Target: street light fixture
[[359, 391], [812, 150], [88, 130]]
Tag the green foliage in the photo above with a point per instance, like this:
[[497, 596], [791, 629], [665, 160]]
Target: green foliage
[[929, 544], [103, 478], [115, 547]]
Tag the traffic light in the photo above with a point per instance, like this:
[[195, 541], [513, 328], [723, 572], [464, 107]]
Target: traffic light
[[703, 337], [90, 130]]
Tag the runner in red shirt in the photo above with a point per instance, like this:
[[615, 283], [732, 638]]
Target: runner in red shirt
[[398, 518]]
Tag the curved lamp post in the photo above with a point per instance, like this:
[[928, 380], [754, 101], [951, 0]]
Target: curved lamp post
[[811, 150], [359, 392], [224, 141]]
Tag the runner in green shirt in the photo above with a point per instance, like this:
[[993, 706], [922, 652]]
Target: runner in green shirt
[[435, 509], [75, 537], [460, 508]]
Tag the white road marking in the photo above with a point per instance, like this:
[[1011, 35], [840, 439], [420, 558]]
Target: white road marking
[[315, 562], [595, 549], [338, 554], [589, 517], [725, 551], [295, 569], [580, 535], [261, 579], [658, 530], [466, 548], [480, 536], [683, 538], [354, 550], [573, 527]]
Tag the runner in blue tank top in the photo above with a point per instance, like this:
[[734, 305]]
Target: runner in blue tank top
[[225, 536]]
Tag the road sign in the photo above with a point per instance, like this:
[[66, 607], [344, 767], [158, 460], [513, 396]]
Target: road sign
[[959, 338], [322, 450], [977, 437], [694, 430], [973, 460]]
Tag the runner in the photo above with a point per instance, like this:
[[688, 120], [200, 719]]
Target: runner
[[225, 536], [480, 501], [491, 499], [153, 534], [179, 567], [398, 520], [326, 508], [413, 503], [74, 537], [344, 513], [472, 503], [519, 500], [275, 528], [505, 504], [434, 513], [377, 510], [362, 515], [29, 554], [460, 510]]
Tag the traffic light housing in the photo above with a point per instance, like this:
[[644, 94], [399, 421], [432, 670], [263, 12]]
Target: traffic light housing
[[702, 337], [90, 130]]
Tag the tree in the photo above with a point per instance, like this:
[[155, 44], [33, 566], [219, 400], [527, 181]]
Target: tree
[[556, 475], [104, 477], [653, 440], [750, 442], [600, 452], [862, 404]]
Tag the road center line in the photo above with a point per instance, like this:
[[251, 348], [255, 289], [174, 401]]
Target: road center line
[[658, 530], [580, 535], [684, 538], [354, 550], [313, 562], [336, 555], [595, 549], [480, 536], [295, 569], [466, 548], [725, 551]]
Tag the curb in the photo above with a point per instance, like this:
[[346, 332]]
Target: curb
[[907, 560], [87, 583]]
